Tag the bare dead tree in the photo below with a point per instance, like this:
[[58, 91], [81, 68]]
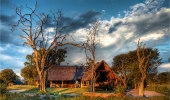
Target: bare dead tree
[[44, 44], [143, 60], [89, 47]]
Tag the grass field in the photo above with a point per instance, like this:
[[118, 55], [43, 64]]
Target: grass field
[[32, 93], [18, 87]]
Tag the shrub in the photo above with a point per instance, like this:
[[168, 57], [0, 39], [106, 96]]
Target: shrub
[[3, 88], [120, 89], [159, 88]]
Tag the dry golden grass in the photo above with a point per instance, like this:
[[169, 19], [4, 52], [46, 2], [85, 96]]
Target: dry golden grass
[[20, 87], [101, 95]]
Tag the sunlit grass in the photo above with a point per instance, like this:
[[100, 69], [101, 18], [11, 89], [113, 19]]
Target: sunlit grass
[[18, 87], [59, 94]]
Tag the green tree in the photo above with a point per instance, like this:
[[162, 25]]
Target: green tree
[[148, 62], [29, 72], [126, 66], [3, 87], [163, 77], [120, 66], [151, 70], [8, 76]]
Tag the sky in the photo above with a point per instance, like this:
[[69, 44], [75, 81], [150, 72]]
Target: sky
[[122, 23]]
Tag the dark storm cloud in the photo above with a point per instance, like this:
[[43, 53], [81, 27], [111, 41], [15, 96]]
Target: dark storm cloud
[[8, 37], [81, 22], [7, 20], [88, 17], [5, 2], [114, 27], [5, 36], [153, 23]]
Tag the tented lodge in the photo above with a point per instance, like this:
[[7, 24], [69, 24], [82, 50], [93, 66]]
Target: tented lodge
[[78, 76]]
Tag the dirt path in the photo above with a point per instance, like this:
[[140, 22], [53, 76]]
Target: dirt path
[[146, 93], [17, 91]]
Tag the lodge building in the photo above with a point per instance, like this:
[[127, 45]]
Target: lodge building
[[78, 76]]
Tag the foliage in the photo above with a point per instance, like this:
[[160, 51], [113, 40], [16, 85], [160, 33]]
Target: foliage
[[120, 66], [119, 89], [131, 68], [29, 72], [163, 77], [164, 89], [8, 76], [3, 88], [60, 56]]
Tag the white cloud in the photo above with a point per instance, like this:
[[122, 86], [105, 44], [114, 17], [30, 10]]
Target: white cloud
[[50, 30], [12, 61], [144, 21], [25, 50], [151, 37], [164, 67]]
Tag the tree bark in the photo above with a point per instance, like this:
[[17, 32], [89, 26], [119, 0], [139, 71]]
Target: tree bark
[[125, 83], [141, 88], [91, 87], [43, 78], [143, 64]]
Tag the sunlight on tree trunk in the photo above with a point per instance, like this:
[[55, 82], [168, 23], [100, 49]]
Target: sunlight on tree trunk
[[141, 88], [143, 64]]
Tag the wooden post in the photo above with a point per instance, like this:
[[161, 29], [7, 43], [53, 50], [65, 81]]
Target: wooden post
[[87, 83], [62, 83], [37, 83], [81, 83], [51, 84]]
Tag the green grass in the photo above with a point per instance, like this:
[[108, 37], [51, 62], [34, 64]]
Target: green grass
[[58, 94]]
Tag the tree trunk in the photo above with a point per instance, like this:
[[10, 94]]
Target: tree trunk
[[135, 85], [141, 86], [141, 89], [43, 79], [91, 87], [125, 83], [92, 81]]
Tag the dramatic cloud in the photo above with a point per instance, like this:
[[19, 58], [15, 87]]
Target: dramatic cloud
[[148, 21], [81, 21], [120, 35], [7, 20], [6, 35], [5, 2]]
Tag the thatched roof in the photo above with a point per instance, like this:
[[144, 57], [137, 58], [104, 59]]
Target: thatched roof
[[105, 73], [59, 73], [71, 73]]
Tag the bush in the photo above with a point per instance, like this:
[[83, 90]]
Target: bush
[[3, 88], [120, 89], [164, 89]]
